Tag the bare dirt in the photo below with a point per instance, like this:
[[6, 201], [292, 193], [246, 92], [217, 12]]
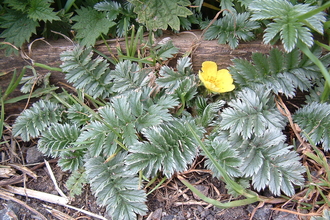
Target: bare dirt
[[171, 201]]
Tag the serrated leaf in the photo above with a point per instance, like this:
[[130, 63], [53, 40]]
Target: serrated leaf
[[168, 148], [75, 182], [286, 21], [112, 8], [159, 14], [166, 51], [41, 10], [33, 121], [251, 113], [314, 120], [58, 137], [225, 155], [90, 75], [289, 36], [90, 24], [18, 28], [17, 4], [232, 28], [115, 188]]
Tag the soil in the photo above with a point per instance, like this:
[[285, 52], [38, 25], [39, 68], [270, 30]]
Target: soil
[[171, 201]]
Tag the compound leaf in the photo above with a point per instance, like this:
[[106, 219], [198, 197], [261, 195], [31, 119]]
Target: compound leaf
[[115, 188], [33, 121]]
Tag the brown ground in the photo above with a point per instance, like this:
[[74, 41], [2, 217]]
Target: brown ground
[[172, 201]]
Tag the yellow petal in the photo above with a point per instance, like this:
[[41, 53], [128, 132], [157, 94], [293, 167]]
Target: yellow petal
[[209, 68], [214, 80]]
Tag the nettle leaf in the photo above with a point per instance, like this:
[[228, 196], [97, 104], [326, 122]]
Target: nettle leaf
[[232, 28], [169, 148], [41, 10], [252, 112], [279, 71], [33, 121], [158, 14], [285, 21], [115, 188], [18, 29], [90, 24], [90, 75], [314, 120], [17, 4], [76, 182]]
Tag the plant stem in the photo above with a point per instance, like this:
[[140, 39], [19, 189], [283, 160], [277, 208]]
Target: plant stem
[[48, 67], [228, 180], [313, 12], [303, 47]]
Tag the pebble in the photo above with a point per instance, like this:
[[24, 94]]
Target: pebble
[[33, 155]]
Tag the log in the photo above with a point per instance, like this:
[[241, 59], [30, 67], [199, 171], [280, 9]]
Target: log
[[49, 54]]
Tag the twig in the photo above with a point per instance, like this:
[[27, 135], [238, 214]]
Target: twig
[[9, 196], [295, 213], [25, 170], [58, 214], [191, 203], [38, 195], [51, 174], [285, 111], [86, 212]]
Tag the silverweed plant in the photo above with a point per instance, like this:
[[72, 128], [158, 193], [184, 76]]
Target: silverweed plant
[[128, 125]]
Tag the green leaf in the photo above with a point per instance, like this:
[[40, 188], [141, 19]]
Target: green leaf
[[90, 24], [17, 4], [286, 21], [314, 120], [281, 72], [76, 182], [171, 79], [115, 188], [166, 51], [41, 10], [112, 8], [158, 14], [18, 28], [33, 121], [58, 137], [90, 75], [127, 76], [168, 148], [232, 28], [289, 36], [251, 113], [267, 160], [225, 155]]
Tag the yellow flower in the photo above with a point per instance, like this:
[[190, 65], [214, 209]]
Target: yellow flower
[[216, 80]]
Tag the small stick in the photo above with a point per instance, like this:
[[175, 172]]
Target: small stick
[[8, 196], [38, 195], [51, 174]]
